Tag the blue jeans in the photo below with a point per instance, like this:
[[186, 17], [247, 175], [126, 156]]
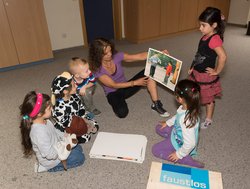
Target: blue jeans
[[75, 159]]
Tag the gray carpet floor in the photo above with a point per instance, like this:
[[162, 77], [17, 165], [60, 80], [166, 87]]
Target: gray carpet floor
[[224, 147]]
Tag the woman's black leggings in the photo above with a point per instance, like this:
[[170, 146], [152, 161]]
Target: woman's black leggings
[[117, 99]]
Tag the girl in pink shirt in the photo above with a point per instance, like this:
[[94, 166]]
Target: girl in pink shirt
[[209, 60]]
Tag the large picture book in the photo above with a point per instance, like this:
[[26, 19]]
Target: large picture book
[[163, 68], [180, 177], [122, 147]]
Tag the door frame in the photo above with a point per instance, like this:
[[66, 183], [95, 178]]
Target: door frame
[[117, 20]]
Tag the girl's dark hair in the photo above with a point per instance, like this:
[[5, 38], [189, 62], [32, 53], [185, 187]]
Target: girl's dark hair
[[190, 92], [213, 15], [96, 52], [26, 121]]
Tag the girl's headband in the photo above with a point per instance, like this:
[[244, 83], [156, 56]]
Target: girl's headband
[[37, 107]]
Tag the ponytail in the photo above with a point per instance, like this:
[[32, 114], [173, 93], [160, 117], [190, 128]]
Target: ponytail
[[25, 128], [221, 29]]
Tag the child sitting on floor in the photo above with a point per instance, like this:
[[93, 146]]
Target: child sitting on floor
[[68, 111], [181, 131], [85, 81], [38, 133]]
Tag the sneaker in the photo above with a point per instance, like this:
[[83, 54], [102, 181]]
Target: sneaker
[[207, 123], [96, 112], [157, 106]]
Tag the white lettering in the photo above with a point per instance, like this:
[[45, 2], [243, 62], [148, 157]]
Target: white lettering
[[183, 182], [197, 184], [169, 179], [176, 181], [203, 185], [164, 178], [187, 182]]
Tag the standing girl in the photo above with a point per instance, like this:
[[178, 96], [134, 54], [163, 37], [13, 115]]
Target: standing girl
[[181, 131], [39, 134], [204, 69]]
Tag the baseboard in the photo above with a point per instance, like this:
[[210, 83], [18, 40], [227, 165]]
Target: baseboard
[[239, 25], [19, 66], [66, 49]]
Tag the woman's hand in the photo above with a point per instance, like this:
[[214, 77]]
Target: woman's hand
[[165, 51], [173, 157], [141, 81]]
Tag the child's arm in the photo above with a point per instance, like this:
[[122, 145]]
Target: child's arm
[[220, 63], [190, 71], [91, 80], [43, 142], [60, 134], [169, 122], [82, 91]]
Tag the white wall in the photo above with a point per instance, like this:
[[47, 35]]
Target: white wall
[[239, 11], [64, 23]]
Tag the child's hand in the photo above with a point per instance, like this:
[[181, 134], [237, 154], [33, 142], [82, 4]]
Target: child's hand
[[82, 91], [211, 71], [66, 134], [190, 71], [173, 157], [163, 124]]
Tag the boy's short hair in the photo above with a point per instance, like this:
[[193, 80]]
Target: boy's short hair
[[76, 61]]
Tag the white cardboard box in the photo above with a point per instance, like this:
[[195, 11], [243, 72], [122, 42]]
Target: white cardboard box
[[122, 147]]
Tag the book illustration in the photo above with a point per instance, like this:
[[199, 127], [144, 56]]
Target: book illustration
[[122, 147], [163, 68]]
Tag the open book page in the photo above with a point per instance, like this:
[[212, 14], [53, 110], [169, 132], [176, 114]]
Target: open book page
[[163, 68]]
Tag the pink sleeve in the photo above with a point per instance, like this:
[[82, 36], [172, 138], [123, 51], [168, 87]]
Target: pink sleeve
[[215, 42]]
